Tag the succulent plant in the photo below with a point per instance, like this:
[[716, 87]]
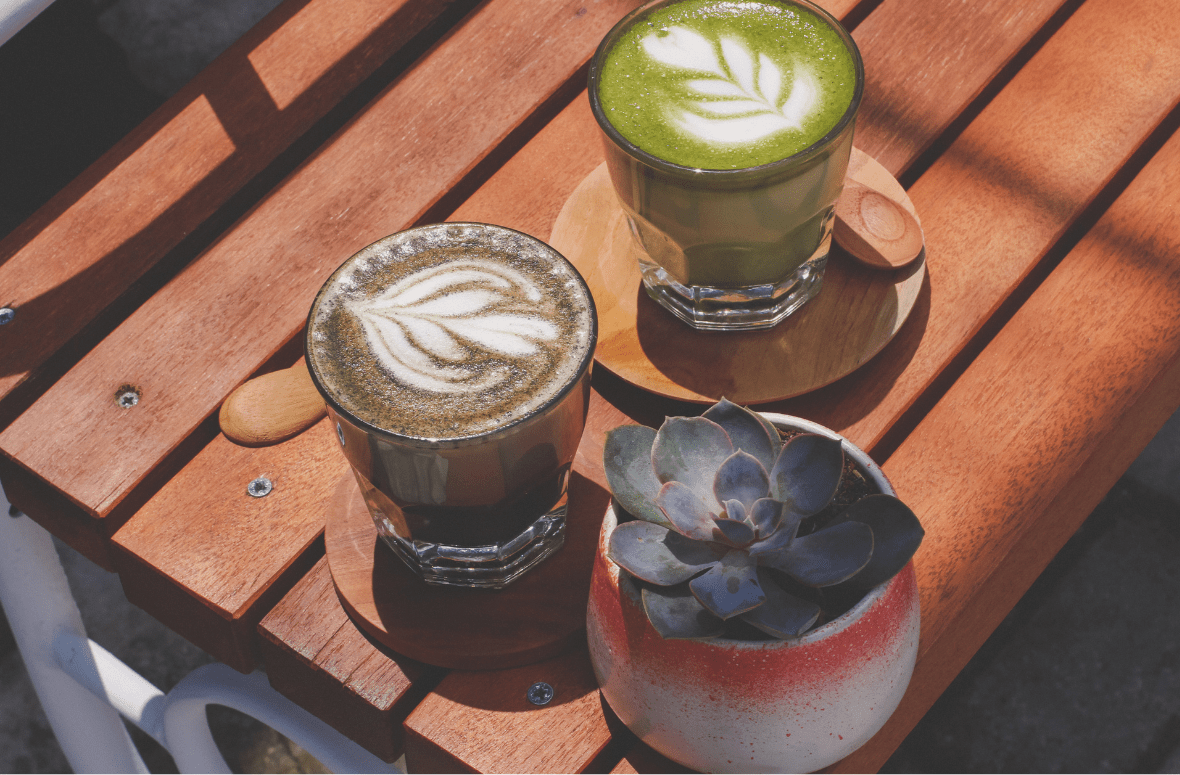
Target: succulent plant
[[725, 523]]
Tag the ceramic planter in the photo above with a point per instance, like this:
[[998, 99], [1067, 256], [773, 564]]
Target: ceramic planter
[[728, 705]]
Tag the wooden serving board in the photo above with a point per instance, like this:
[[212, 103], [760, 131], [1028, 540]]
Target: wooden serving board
[[539, 616], [856, 313]]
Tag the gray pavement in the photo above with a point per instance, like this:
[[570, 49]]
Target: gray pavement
[[1083, 676]]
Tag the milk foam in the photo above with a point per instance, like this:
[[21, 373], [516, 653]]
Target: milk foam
[[450, 331], [432, 318], [741, 100], [723, 84]]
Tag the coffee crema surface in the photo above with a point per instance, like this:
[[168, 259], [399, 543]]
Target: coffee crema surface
[[727, 84], [450, 331]]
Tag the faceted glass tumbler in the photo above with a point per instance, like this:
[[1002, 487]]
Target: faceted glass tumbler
[[732, 249]]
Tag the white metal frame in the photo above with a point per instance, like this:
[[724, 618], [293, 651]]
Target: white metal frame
[[15, 14], [84, 688]]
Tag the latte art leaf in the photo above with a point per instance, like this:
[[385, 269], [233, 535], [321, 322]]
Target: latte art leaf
[[423, 327], [743, 95]]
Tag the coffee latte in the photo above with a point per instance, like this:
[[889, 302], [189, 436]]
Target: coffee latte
[[450, 331]]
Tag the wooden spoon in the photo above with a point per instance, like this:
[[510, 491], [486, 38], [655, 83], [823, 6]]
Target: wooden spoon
[[272, 408], [875, 228]]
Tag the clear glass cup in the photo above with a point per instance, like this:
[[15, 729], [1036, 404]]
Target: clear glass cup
[[732, 249], [478, 509]]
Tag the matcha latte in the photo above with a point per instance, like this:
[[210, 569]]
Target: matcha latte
[[726, 85], [728, 126]]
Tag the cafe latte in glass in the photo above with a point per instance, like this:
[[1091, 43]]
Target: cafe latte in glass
[[454, 360], [728, 126]]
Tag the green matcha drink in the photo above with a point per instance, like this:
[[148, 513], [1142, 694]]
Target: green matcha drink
[[726, 85], [728, 127]]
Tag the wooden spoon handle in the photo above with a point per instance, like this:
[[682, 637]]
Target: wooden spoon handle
[[272, 408], [875, 228]]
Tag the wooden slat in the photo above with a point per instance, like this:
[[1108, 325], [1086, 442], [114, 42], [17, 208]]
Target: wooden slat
[[996, 202], [483, 722], [316, 657], [977, 227], [240, 301], [90, 243], [293, 645], [527, 194], [227, 567], [1024, 446]]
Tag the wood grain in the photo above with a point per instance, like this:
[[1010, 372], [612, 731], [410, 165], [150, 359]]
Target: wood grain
[[318, 659], [973, 235], [1004, 173], [91, 242], [241, 300], [527, 194], [482, 722], [212, 574], [996, 202], [647, 346], [537, 617], [1034, 434], [272, 408]]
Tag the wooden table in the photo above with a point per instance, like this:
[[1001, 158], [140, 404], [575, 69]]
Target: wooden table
[[1035, 138]]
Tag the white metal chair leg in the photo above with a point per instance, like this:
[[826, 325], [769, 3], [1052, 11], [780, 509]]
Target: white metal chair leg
[[15, 14], [40, 608], [192, 746], [84, 688]]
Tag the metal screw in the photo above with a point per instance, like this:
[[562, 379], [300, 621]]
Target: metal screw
[[260, 487], [127, 396], [6, 315], [540, 693]]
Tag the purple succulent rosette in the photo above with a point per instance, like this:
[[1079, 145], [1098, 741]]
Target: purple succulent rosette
[[719, 499]]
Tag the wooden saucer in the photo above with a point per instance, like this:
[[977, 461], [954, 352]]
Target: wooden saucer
[[855, 314], [539, 616]]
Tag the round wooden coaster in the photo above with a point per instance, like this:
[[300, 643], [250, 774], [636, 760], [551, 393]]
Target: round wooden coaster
[[855, 314], [539, 616]]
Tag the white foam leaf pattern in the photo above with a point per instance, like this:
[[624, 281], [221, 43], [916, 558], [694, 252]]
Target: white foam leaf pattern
[[744, 95], [422, 328], [683, 48]]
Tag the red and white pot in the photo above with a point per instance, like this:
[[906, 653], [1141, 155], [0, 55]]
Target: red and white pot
[[727, 705]]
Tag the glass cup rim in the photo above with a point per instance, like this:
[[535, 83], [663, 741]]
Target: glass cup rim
[[451, 442], [680, 170]]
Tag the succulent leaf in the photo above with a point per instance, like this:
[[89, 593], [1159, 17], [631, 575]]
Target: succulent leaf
[[690, 450], [686, 511], [897, 533], [807, 473], [827, 556], [735, 510], [768, 548], [735, 533], [626, 458], [675, 613], [658, 555], [766, 515], [730, 587], [782, 615], [747, 430], [741, 477]]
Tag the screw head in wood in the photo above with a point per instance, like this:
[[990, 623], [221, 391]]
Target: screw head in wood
[[127, 396], [6, 315], [260, 487], [540, 693]]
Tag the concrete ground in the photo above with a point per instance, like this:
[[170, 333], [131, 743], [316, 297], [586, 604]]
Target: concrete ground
[[1083, 676]]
